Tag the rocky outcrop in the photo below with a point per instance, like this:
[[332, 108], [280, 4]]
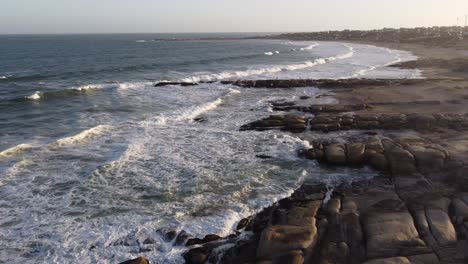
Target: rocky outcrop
[[331, 108], [385, 154], [419, 122], [291, 123], [160, 84], [331, 123], [321, 83], [399, 218]]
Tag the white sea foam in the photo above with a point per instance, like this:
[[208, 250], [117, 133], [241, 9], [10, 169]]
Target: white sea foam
[[269, 53], [399, 56], [310, 47], [35, 96], [269, 70], [15, 150], [87, 87], [3, 77], [141, 41], [198, 110], [84, 135]]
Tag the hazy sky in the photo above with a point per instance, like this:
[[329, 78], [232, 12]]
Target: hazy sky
[[95, 16]]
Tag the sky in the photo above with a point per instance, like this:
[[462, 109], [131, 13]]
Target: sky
[[151, 16]]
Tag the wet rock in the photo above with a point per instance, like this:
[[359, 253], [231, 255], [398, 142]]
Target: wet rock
[[200, 119], [140, 260], [149, 240], [295, 124], [245, 251], [261, 156], [243, 223], [159, 84], [206, 239], [196, 256], [181, 238]]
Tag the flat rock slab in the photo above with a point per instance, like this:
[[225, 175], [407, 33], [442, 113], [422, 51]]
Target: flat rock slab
[[389, 234], [280, 239]]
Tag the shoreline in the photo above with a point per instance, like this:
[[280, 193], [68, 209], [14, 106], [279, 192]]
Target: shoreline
[[415, 211]]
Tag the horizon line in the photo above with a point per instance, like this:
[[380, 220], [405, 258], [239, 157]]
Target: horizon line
[[215, 32]]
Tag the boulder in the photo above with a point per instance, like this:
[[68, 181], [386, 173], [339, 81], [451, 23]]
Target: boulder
[[375, 144], [424, 259], [376, 160], [390, 233], [140, 260], [335, 154], [301, 216], [460, 210], [355, 153], [293, 257], [395, 260], [441, 227], [206, 239], [400, 160], [280, 239], [181, 238], [428, 159], [420, 121], [196, 256]]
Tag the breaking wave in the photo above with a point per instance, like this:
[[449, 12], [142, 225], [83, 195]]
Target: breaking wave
[[15, 150], [38, 95], [195, 111], [310, 47], [276, 69], [83, 136]]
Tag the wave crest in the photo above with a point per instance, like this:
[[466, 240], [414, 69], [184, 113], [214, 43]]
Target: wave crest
[[15, 150], [83, 136], [276, 69]]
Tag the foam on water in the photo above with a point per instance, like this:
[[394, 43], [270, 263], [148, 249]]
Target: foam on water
[[35, 96], [310, 47], [16, 150], [83, 136], [270, 70]]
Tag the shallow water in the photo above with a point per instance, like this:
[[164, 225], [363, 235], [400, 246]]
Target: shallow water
[[94, 159]]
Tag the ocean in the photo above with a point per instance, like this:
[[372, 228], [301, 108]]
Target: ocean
[[94, 159]]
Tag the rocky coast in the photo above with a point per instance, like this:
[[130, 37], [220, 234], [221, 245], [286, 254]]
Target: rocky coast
[[412, 132]]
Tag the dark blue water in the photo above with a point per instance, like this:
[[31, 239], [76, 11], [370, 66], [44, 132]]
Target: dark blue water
[[94, 159]]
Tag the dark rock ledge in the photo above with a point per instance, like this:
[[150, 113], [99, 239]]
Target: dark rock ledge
[[415, 212], [343, 122], [294, 83]]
